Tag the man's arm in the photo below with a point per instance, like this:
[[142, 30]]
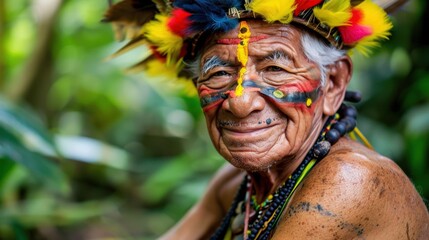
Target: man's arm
[[355, 195], [204, 217]]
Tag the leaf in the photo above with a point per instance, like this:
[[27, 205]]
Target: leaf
[[26, 127], [92, 151], [40, 167], [5, 171]]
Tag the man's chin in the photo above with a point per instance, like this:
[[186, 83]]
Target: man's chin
[[250, 160]]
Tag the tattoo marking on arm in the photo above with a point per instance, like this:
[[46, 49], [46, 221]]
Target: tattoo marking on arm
[[308, 207], [302, 207], [358, 229]]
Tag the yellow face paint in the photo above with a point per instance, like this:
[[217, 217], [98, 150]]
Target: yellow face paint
[[242, 55], [309, 102]]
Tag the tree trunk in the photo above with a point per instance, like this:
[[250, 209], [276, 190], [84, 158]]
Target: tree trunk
[[37, 74]]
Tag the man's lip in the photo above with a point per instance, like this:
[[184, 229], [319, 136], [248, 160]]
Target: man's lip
[[243, 131]]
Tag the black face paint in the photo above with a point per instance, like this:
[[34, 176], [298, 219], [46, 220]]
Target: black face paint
[[273, 93]]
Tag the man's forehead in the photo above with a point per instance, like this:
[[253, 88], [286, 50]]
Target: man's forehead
[[225, 56], [262, 33]]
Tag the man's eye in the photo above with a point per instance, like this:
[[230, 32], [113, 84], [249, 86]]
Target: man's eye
[[220, 74], [274, 69]]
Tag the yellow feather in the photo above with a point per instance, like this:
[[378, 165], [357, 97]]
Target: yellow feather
[[168, 74], [167, 42], [155, 67], [375, 18], [274, 10], [333, 13]]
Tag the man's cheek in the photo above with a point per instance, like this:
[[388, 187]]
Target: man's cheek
[[303, 98], [211, 99]]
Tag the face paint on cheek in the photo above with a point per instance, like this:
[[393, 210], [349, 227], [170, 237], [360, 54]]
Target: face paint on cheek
[[210, 99], [304, 98]]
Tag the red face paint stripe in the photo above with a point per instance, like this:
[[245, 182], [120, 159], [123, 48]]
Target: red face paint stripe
[[209, 99], [212, 105], [203, 91], [235, 41], [301, 106], [307, 86]]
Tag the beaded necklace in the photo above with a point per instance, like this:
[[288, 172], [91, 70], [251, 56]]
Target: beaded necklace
[[270, 211], [262, 205]]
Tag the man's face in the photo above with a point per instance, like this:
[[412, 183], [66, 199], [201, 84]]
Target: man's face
[[281, 104]]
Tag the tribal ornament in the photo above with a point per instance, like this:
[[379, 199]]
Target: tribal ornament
[[171, 28]]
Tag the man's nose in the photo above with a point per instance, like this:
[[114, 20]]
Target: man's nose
[[244, 105]]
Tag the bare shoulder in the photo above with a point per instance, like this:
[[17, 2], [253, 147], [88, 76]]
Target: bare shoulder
[[356, 193]]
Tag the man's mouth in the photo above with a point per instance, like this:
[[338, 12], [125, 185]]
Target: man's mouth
[[245, 132]]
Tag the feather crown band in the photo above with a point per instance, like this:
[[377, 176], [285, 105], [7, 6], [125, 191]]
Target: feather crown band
[[167, 27]]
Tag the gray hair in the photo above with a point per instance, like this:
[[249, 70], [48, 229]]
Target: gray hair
[[315, 50], [320, 53]]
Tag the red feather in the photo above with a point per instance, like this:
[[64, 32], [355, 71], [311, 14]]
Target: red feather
[[357, 15], [179, 22], [302, 5], [354, 32]]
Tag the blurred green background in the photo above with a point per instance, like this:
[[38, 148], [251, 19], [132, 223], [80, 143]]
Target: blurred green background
[[89, 152]]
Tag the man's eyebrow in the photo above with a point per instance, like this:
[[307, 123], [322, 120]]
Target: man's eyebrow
[[213, 62], [276, 55]]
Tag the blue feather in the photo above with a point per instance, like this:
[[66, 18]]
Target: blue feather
[[210, 15], [226, 4]]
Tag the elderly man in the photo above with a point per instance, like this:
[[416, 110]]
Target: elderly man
[[272, 78]]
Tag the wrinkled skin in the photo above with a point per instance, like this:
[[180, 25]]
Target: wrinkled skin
[[249, 142], [353, 193]]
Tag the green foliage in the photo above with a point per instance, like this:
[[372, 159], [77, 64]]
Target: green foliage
[[135, 154], [22, 137]]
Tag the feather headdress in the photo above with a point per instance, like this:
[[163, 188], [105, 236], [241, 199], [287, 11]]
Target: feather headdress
[[169, 27], [333, 13]]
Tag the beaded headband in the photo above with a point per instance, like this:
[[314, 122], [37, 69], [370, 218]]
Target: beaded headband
[[170, 28]]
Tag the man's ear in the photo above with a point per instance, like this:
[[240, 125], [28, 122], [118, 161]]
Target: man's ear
[[338, 78]]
